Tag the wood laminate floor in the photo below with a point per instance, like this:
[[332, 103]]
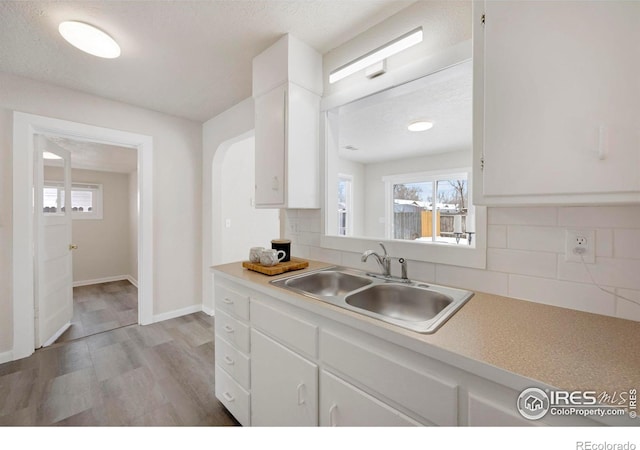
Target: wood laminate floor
[[154, 375], [102, 307]]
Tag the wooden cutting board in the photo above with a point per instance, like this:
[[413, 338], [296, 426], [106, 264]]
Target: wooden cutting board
[[294, 264]]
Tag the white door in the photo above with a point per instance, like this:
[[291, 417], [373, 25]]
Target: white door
[[53, 277]]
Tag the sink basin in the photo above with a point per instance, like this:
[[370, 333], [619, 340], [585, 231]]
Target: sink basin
[[409, 304], [328, 283], [398, 301]]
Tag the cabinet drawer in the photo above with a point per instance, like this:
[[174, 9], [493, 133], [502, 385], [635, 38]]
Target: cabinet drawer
[[233, 331], [344, 405], [232, 396], [432, 398], [232, 302], [233, 361], [291, 330]]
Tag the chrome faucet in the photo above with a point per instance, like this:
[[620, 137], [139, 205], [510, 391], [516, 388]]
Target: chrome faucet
[[384, 261]]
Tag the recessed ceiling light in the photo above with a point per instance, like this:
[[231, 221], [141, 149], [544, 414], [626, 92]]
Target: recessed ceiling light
[[49, 155], [89, 39], [420, 125]]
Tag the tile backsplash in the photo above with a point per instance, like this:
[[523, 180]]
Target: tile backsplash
[[525, 257]]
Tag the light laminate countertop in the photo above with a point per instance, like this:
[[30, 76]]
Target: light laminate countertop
[[560, 347]]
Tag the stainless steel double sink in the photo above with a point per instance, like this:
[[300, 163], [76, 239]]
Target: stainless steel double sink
[[417, 306]]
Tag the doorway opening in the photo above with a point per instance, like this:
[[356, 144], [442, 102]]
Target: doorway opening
[[26, 128], [243, 225], [104, 216]]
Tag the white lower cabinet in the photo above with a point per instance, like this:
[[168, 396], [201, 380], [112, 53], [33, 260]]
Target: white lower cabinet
[[232, 396], [279, 364], [344, 405], [284, 385]]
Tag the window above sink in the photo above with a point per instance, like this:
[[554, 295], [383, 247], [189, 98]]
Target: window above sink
[[410, 189]]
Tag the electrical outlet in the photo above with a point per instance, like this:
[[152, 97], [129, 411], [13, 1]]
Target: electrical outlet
[[580, 242]]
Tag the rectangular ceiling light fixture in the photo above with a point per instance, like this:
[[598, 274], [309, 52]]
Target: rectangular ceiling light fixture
[[403, 42]]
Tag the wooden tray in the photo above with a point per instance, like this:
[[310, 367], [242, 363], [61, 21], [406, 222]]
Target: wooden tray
[[294, 264]]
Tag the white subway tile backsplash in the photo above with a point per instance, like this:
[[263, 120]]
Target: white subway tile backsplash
[[353, 260], [523, 216], [607, 272], [525, 256], [309, 238], [474, 279], [497, 236], [600, 216], [421, 271], [565, 294], [604, 242], [626, 243], [542, 239], [539, 264], [325, 255], [627, 309]]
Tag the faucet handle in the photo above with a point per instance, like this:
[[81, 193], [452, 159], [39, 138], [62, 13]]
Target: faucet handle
[[383, 248]]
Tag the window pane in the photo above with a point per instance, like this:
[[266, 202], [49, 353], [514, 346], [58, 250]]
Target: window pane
[[50, 199], [344, 206], [82, 201], [412, 204], [452, 205]]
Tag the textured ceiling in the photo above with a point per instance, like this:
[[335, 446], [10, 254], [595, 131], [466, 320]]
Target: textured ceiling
[[95, 156], [186, 58], [377, 125]]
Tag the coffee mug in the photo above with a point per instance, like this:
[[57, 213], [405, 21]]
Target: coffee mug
[[254, 254], [284, 245], [270, 257]]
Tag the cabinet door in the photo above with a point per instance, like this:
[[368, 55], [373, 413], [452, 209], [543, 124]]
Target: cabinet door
[[562, 99], [344, 405], [270, 122], [284, 385]]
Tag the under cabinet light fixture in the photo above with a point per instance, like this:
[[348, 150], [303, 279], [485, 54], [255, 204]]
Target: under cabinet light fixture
[[397, 45], [89, 39]]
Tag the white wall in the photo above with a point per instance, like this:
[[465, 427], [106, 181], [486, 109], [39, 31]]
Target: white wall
[[177, 185], [244, 225], [218, 134], [104, 244]]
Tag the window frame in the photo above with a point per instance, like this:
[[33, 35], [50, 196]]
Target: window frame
[[431, 176], [348, 228], [97, 208]]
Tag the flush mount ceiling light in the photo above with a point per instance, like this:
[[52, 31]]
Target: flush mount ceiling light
[[89, 39], [420, 125], [399, 44], [49, 155]]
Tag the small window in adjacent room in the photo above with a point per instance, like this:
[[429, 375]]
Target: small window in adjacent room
[[86, 199], [430, 207], [345, 205]]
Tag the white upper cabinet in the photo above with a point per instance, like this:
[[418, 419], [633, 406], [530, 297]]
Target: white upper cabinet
[[287, 85], [557, 102]]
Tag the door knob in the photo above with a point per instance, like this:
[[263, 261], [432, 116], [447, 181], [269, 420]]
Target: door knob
[[73, 247]]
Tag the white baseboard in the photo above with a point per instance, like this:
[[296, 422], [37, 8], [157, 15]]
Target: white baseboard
[[6, 357], [208, 310], [177, 313], [103, 280], [58, 333], [132, 280]]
